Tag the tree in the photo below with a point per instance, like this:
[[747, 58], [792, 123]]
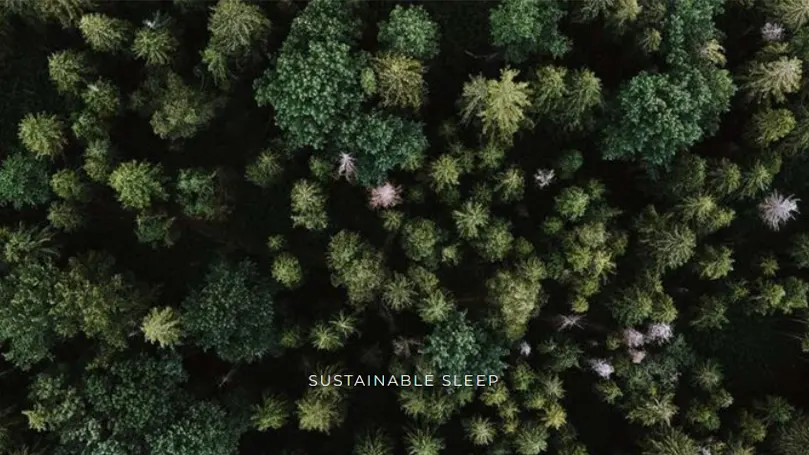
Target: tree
[[793, 13], [148, 387], [66, 216], [104, 33], [156, 229], [423, 441], [480, 430], [515, 297], [155, 43], [177, 111], [373, 442], [382, 143], [231, 312], [399, 81], [319, 45], [409, 31], [68, 184], [99, 160], [162, 326], [772, 81], [657, 115], [457, 347], [670, 442], [68, 70], [42, 134], [771, 125], [356, 266], [420, 240], [94, 299], [23, 181], [205, 429], [531, 439], [265, 170], [319, 413], [309, 206], [499, 104], [235, 28], [470, 219], [139, 185], [25, 323], [286, 269], [572, 203], [199, 194], [715, 263], [525, 27]]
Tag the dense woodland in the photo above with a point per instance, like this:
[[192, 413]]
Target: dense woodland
[[202, 203]]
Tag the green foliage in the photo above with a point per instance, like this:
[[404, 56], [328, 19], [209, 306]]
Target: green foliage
[[499, 104], [309, 206], [205, 429], [97, 301], [99, 160], [471, 218], [526, 27], [399, 81], [25, 324], [231, 312], [772, 81], [409, 31], [42, 134], [265, 170], [657, 115], [572, 203], [68, 184], [68, 70], [670, 442], [23, 181], [356, 266], [273, 413], [177, 111], [155, 45], [199, 195], [715, 263], [162, 327], [320, 414], [286, 269], [514, 295], [155, 229], [420, 238], [235, 28], [139, 185], [771, 125], [104, 33], [457, 347], [310, 109], [318, 183], [66, 216]]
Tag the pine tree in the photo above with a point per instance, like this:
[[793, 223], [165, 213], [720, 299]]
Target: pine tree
[[162, 326]]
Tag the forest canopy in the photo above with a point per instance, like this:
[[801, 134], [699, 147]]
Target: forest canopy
[[588, 213]]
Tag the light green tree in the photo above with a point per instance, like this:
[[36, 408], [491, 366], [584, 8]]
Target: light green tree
[[138, 184]]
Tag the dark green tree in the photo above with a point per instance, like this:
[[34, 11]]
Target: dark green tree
[[232, 312]]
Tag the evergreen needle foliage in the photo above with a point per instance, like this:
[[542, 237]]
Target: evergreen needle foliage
[[223, 223]]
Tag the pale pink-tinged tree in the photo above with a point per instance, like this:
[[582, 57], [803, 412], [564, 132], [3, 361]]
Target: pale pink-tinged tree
[[602, 368], [346, 168], [569, 321], [544, 177], [637, 355], [633, 338], [385, 196], [776, 209], [659, 332]]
